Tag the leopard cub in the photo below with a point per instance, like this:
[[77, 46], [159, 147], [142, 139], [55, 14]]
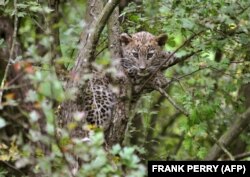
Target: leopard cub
[[142, 54]]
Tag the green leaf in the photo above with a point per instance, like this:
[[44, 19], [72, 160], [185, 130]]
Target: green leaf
[[188, 24], [188, 143], [202, 152], [97, 138], [1, 41], [171, 42], [194, 118], [31, 96], [116, 149], [34, 116], [45, 88], [22, 6], [35, 9]]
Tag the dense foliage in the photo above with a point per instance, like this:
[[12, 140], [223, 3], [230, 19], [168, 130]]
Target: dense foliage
[[212, 87]]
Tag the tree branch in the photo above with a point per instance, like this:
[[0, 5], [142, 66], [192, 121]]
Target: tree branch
[[86, 55], [116, 132], [242, 156], [173, 102], [11, 56], [223, 148], [232, 133], [178, 60], [88, 46]]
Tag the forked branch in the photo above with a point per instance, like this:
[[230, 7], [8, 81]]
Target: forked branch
[[231, 134]]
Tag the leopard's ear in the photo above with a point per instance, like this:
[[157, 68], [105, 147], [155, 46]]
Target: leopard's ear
[[125, 38], [161, 39]]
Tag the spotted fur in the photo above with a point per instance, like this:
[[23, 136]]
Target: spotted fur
[[99, 102], [142, 55]]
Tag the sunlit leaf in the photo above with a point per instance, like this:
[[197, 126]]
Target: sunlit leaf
[[3, 123]]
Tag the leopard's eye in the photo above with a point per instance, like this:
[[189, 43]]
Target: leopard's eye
[[150, 55], [135, 54]]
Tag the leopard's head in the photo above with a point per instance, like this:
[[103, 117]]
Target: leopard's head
[[141, 51]]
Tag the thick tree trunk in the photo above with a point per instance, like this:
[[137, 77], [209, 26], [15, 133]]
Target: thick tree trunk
[[120, 118]]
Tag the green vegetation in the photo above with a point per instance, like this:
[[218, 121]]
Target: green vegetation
[[212, 86]]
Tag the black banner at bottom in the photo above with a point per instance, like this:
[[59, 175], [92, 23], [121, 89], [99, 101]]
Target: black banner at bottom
[[199, 168]]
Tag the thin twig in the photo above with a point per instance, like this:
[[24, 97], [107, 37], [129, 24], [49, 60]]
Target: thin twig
[[17, 120], [241, 122], [173, 102], [177, 148], [19, 75], [12, 167], [181, 77], [231, 157], [191, 73], [169, 122], [242, 156], [16, 86], [101, 51], [178, 60], [11, 52], [242, 11]]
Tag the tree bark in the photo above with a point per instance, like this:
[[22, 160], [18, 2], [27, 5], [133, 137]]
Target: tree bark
[[120, 118], [96, 19]]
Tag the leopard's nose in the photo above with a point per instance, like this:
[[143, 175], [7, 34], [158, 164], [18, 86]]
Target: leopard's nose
[[142, 67]]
